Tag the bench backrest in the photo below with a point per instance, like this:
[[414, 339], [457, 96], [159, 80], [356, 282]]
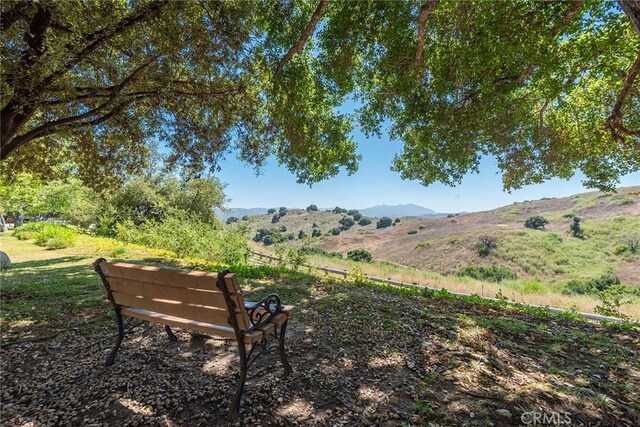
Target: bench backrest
[[193, 295]]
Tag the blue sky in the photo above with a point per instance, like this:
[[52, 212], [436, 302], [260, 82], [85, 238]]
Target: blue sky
[[375, 184]]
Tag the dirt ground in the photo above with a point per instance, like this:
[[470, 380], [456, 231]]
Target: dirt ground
[[361, 357]]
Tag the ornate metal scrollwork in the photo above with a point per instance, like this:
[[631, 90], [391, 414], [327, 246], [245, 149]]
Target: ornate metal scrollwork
[[264, 310]]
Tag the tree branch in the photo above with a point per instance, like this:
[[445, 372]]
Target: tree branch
[[50, 127], [614, 121], [425, 12], [13, 15], [632, 9], [308, 31], [95, 39]]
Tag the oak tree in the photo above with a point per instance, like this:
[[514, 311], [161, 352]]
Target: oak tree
[[547, 88]]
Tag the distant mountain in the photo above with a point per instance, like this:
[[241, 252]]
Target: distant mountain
[[240, 212], [396, 211]]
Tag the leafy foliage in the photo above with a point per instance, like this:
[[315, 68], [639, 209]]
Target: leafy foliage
[[346, 222], [576, 229], [187, 235], [536, 222], [632, 242], [47, 234], [364, 221], [360, 255], [491, 273], [486, 244], [545, 88], [312, 208], [591, 286], [384, 222]]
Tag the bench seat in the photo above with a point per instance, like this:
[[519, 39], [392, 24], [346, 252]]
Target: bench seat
[[219, 330]]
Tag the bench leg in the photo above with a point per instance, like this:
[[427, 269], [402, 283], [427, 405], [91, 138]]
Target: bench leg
[[234, 409], [112, 355], [283, 354], [170, 333]]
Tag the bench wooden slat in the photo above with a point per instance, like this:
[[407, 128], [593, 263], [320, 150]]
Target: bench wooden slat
[[201, 313], [162, 276], [234, 289], [153, 290], [194, 325], [151, 316]]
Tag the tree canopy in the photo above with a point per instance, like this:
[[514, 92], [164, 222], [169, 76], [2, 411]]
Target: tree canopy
[[547, 88]]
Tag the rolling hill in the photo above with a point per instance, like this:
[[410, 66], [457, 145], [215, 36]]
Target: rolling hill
[[446, 245]]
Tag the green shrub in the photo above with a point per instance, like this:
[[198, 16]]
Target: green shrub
[[554, 238], [271, 211], [359, 255], [335, 231], [412, 232], [612, 299], [187, 236], [275, 218], [486, 244], [357, 216], [338, 210], [576, 286], [312, 208], [396, 221], [422, 227], [536, 222], [632, 242], [316, 233], [352, 212], [576, 229], [47, 234], [591, 286], [282, 211], [491, 273], [384, 222], [421, 245], [346, 222], [118, 252], [364, 221], [310, 250], [604, 281], [619, 249], [268, 240], [232, 219], [301, 235]]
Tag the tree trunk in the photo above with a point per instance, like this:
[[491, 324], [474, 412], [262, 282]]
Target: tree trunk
[[632, 9], [3, 224], [19, 219]]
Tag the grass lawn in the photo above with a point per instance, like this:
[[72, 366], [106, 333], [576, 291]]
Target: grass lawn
[[361, 354]]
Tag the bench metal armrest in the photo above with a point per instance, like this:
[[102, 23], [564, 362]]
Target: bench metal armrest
[[263, 311]]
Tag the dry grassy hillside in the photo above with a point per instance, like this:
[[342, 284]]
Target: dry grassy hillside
[[447, 244]]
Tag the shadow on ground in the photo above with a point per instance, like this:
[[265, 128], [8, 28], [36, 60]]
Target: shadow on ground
[[361, 356]]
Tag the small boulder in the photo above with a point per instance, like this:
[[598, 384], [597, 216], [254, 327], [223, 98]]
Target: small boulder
[[5, 262]]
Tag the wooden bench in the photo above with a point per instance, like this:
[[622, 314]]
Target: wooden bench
[[195, 300]]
